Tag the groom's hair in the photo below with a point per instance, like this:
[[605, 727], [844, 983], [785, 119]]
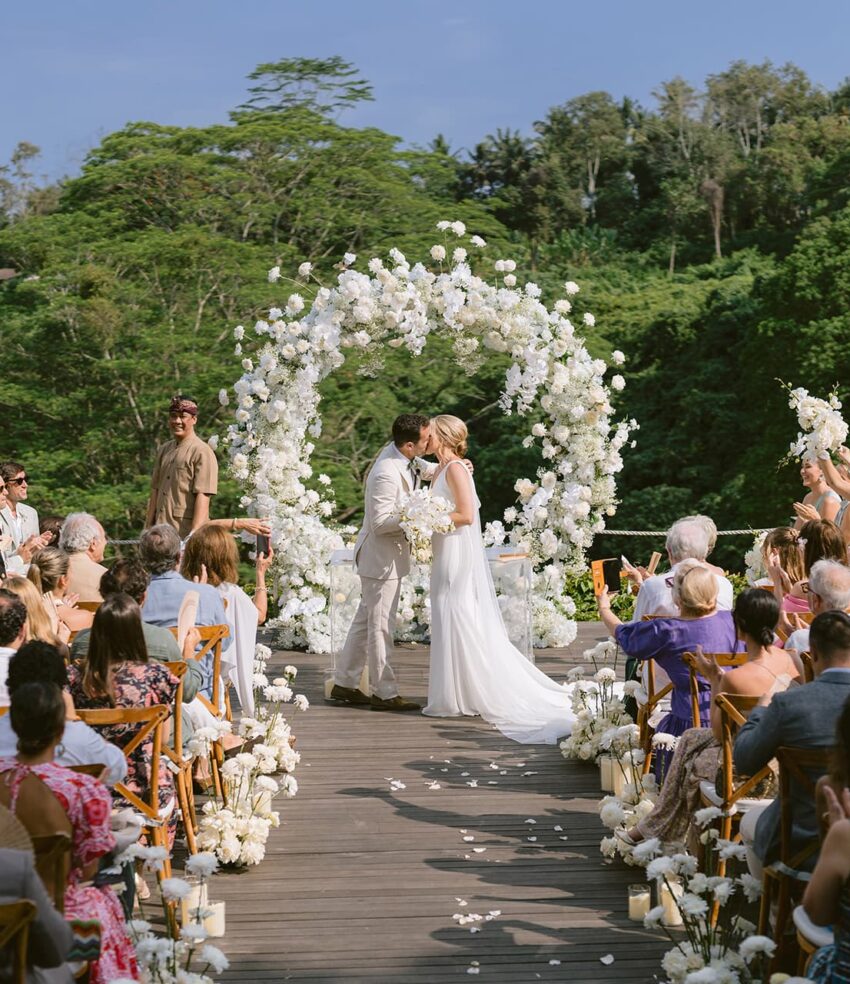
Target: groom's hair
[[408, 427]]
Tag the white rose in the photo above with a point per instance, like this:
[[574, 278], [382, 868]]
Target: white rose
[[588, 319], [305, 269], [295, 303], [617, 382], [438, 253], [571, 287]]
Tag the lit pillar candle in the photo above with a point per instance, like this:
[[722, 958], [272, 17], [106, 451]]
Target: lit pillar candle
[[607, 765], [214, 922], [670, 891], [638, 902]]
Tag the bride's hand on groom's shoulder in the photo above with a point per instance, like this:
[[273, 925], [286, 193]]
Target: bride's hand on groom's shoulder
[[469, 466]]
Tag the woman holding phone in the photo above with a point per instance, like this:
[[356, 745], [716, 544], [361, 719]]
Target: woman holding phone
[[211, 556]]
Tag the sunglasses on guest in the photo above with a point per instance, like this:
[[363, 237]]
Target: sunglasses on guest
[[23, 480]]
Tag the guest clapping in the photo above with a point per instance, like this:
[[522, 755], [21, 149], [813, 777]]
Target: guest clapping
[[48, 571], [820, 502], [83, 539], [820, 540], [211, 555]]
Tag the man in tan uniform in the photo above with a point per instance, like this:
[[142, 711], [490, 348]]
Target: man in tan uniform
[[185, 475]]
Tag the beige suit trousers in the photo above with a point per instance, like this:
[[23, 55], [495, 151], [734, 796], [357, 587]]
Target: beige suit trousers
[[370, 638]]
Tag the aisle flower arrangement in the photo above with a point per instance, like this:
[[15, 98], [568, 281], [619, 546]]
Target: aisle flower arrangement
[[398, 303], [236, 828]]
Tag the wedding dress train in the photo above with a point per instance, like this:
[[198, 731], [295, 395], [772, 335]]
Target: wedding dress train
[[475, 669]]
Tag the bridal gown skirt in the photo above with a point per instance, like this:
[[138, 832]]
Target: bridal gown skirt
[[475, 669]]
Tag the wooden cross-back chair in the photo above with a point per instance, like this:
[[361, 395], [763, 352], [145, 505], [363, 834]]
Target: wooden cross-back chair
[[93, 769], [786, 878], [15, 919], [734, 799], [653, 699], [89, 606], [805, 617], [150, 721], [211, 637], [53, 864], [182, 764], [723, 659], [808, 667]]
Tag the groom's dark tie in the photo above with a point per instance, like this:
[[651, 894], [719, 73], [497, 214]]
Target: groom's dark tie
[[414, 478]]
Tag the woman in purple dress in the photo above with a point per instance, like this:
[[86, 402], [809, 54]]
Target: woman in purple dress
[[666, 639]]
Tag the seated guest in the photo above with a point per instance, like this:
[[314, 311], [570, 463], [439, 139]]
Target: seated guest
[[48, 571], [129, 577], [118, 673], [699, 624], [800, 717], [768, 670], [50, 938], [820, 502], [687, 539], [829, 590], [13, 634], [38, 624], [782, 547], [211, 554], [827, 898], [51, 526], [821, 540], [38, 719], [80, 745], [19, 532], [83, 540], [159, 549]]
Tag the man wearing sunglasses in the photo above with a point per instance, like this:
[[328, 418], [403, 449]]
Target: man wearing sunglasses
[[19, 533]]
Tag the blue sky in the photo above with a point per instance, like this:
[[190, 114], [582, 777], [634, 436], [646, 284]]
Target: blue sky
[[74, 70]]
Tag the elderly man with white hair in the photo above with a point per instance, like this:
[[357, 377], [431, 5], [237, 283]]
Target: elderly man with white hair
[[687, 539], [829, 591], [83, 539]]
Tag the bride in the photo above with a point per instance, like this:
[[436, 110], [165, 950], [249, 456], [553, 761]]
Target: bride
[[474, 667]]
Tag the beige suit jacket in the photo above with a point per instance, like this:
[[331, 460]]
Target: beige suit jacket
[[381, 549], [84, 576], [10, 538]]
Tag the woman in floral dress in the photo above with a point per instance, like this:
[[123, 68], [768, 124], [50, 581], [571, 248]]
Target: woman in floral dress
[[37, 716], [117, 673]]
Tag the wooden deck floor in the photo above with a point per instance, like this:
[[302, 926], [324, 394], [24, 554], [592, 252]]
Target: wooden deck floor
[[361, 882]]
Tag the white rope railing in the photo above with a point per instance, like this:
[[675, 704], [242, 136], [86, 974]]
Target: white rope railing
[[129, 543]]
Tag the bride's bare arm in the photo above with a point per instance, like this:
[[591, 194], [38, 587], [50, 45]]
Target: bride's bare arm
[[461, 489]]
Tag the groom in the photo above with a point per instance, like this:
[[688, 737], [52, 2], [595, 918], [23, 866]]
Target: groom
[[382, 559]]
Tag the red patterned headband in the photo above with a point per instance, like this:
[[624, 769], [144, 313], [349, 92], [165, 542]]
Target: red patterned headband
[[181, 405]]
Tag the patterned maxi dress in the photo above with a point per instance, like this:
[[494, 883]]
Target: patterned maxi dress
[[88, 806]]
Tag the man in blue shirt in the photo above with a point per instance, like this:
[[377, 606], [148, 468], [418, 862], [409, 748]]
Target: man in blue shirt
[[159, 550]]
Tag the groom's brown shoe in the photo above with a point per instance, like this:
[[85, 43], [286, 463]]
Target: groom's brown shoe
[[397, 704], [348, 695]]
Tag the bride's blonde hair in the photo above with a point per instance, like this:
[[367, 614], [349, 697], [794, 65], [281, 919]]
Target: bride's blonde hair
[[451, 432]]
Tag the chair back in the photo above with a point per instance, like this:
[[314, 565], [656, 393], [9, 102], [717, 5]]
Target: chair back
[[89, 606], [734, 711], [808, 667], [211, 637], [150, 721], [15, 919], [799, 770], [723, 659], [93, 769], [53, 864], [645, 711], [4, 710]]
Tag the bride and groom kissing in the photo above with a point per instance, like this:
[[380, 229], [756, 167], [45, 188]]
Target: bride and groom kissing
[[474, 667]]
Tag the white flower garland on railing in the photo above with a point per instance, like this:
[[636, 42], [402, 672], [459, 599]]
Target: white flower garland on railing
[[400, 305]]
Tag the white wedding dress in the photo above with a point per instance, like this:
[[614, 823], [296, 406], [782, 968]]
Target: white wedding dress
[[475, 669]]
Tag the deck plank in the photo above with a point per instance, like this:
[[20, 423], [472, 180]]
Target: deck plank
[[360, 883]]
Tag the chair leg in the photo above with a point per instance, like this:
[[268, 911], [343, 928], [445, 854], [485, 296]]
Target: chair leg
[[764, 908], [216, 762], [187, 779], [184, 798]]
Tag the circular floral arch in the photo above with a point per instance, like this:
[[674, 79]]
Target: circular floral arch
[[552, 378]]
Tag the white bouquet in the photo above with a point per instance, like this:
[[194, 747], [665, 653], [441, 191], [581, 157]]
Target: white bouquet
[[823, 428], [422, 515]]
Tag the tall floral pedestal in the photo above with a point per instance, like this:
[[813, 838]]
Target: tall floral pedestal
[[511, 572], [344, 599]]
